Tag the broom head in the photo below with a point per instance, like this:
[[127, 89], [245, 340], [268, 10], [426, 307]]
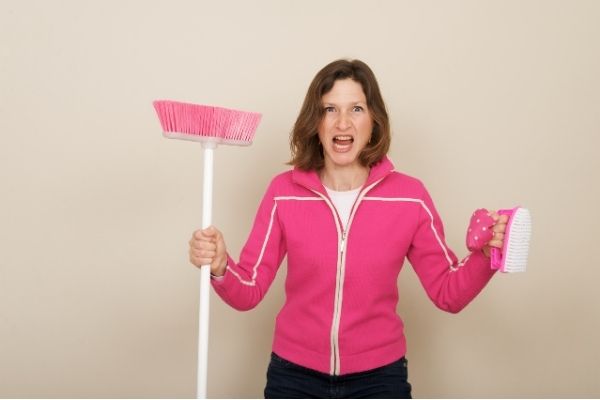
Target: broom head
[[202, 123]]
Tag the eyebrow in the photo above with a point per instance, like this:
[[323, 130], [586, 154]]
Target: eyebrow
[[350, 102]]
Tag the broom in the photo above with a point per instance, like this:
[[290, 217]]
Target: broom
[[210, 126]]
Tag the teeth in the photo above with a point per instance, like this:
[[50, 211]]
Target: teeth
[[342, 137]]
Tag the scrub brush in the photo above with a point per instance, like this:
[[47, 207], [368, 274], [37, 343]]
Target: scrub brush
[[515, 251]]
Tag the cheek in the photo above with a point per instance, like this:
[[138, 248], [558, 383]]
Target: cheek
[[321, 131], [323, 127], [365, 127]]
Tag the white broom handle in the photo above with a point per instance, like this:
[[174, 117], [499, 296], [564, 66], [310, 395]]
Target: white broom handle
[[207, 191]]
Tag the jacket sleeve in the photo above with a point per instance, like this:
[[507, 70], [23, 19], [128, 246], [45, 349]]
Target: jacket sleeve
[[450, 284], [244, 284]]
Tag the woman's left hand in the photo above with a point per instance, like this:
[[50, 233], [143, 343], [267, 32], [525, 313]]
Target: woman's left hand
[[498, 229]]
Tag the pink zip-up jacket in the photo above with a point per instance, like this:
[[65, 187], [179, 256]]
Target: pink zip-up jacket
[[339, 315]]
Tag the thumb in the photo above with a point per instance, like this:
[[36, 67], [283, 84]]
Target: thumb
[[494, 215], [210, 231]]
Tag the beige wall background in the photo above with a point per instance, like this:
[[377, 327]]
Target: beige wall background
[[493, 104]]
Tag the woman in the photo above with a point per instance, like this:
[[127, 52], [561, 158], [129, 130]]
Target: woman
[[346, 221]]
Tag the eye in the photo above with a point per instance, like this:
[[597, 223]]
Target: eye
[[357, 109], [329, 109]]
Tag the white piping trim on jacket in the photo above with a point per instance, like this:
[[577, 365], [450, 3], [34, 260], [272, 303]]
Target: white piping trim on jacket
[[262, 253], [268, 234], [361, 196], [297, 198], [435, 233]]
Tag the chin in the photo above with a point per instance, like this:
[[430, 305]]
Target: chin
[[344, 160]]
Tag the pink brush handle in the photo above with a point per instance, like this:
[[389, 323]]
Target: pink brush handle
[[496, 253]]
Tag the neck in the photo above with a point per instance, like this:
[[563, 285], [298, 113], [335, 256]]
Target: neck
[[344, 178]]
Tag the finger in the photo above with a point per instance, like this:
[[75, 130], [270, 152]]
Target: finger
[[202, 258], [200, 261], [203, 253], [203, 245], [199, 236], [212, 246], [494, 215], [498, 236], [195, 242], [208, 254], [499, 228], [204, 234], [194, 259], [496, 243], [211, 231]]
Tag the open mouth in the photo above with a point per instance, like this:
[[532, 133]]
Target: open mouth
[[343, 140], [342, 143]]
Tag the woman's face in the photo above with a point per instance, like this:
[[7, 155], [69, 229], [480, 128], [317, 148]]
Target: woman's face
[[346, 126]]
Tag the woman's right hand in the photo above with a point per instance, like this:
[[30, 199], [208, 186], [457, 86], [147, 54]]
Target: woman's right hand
[[207, 247]]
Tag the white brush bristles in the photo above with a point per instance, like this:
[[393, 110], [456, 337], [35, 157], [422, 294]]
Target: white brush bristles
[[516, 248], [203, 123]]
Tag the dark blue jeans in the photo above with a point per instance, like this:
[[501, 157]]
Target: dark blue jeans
[[291, 381]]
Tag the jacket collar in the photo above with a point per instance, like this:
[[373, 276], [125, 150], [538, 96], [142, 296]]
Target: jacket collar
[[310, 179]]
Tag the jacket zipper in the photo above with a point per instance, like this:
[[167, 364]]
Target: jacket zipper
[[339, 296], [339, 282], [341, 269]]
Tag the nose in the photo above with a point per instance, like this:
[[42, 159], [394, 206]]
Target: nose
[[343, 121]]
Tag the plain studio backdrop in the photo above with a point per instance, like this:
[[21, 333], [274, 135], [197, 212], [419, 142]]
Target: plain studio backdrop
[[493, 104]]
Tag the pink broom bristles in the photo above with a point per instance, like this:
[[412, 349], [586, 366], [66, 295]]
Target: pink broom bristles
[[204, 123]]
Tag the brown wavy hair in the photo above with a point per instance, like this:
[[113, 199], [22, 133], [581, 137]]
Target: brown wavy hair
[[307, 152]]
